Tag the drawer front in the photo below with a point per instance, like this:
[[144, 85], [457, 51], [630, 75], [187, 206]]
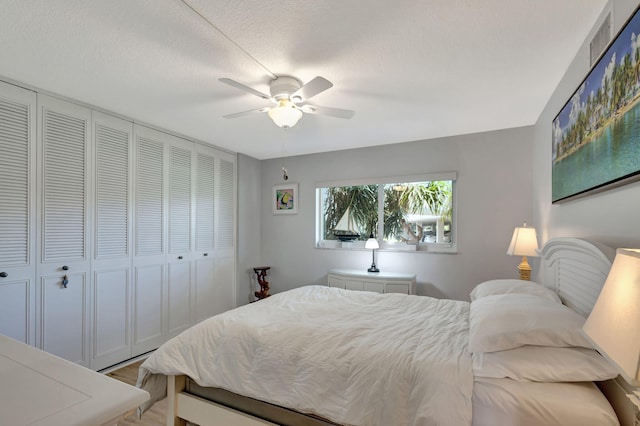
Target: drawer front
[[354, 285], [371, 282], [336, 282], [398, 288], [373, 286]]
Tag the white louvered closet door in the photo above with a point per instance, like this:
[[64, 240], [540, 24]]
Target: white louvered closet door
[[205, 209], [149, 273], [214, 226], [64, 238], [179, 260], [112, 257], [17, 213], [225, 266]]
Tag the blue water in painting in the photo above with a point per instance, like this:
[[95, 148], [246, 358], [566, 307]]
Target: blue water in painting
[[615, 153]]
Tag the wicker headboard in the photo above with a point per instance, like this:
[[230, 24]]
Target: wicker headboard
[[576, 269]]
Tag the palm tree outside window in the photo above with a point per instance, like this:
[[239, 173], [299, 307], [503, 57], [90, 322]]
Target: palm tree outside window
[[402, 212]]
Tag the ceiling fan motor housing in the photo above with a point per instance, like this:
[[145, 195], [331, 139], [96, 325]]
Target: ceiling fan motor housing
[[284, 87]]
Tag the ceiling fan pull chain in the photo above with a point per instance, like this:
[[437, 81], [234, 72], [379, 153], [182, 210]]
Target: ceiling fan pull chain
[[285, 176]]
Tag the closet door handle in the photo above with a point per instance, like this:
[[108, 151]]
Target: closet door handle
[[3, 275], [179, 257], [65, 268], [206, 254]]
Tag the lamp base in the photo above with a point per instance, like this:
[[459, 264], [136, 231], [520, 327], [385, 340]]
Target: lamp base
[[525, 269], [373, 260]]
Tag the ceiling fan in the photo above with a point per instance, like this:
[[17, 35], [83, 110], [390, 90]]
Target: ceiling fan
[[290, 97]]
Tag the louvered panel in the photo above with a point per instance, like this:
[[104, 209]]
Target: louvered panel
[[205, 204], [180, 200], [14, 188], [577, 269], [149, 198], [64, 187], [579, 284], [112, 192], [225, 207]]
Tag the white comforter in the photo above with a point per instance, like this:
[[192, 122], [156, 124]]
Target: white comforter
[[355, 358]]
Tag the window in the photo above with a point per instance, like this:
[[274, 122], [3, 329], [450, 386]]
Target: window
[[403, 213]]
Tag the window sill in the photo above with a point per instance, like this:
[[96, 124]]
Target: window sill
[[448, 248]]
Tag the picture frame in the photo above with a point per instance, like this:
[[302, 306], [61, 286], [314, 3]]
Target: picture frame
[[596, 134], [284, 199]]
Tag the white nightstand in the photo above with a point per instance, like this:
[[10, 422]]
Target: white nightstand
[[380, 282]]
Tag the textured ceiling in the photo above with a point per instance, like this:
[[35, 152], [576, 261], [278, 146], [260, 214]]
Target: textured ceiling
[[410, 69]]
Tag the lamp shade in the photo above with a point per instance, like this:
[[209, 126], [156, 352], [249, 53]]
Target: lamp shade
[[285, 114], [371, 243], [523, 242], [614, 323]]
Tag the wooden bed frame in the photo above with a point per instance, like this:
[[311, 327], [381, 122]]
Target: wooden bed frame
[[182, 407], [575, 268]]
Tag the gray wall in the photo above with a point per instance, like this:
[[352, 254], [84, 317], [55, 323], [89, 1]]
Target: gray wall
[[611, 217], [493, 196]]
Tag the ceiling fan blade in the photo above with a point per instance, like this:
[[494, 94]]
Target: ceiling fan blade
[[312, 88], [243, 113], [332, 112], [244, 88]]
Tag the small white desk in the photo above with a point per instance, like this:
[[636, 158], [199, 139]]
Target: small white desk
[[37, 388], [380, 282]]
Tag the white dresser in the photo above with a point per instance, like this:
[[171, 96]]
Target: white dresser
[[37, 388], [380, 282]]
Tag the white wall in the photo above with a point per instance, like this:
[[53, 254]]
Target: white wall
[[493, 196], [611, 217]]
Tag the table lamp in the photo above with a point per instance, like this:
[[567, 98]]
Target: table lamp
[[524, 243], [372, 244], [614, 323]]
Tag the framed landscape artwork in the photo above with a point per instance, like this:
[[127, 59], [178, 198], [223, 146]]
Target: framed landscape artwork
[[285, 199], [596, 135]]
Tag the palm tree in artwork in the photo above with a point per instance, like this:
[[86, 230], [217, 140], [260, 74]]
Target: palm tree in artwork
[[636, 68]]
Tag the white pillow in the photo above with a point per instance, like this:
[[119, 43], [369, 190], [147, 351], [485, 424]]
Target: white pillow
[[508, 321], [544, 364], [510, 286]]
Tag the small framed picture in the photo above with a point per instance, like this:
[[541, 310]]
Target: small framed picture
[[285, 199]]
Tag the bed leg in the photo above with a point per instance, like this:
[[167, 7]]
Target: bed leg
[[175, 385]]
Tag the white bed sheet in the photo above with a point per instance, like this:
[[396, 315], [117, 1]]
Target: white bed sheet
[[355, 358], [509, 402]]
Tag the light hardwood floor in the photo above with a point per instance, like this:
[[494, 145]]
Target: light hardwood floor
[[156, 415]]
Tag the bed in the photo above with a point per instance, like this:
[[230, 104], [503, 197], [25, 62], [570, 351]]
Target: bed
[[324, 356]]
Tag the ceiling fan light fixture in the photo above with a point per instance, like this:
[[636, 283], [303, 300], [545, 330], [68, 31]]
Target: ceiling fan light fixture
[[286, 114], [291, 97]]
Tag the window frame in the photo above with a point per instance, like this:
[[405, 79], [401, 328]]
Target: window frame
[[435, 247]]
